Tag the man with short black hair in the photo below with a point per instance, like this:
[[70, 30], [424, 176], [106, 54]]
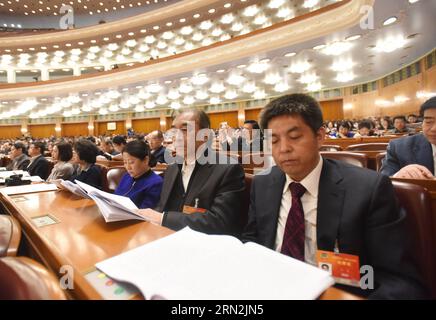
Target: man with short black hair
[[39, 165], [414, 157], [307, 203], [20, 160], [400, 125]]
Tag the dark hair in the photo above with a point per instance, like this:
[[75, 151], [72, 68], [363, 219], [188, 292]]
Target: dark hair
[[345, 124], [429, 104], [119, 140], [364, 124], [140, 149], [86, 150], [65, 151], [399, 117], [294, 104], [253, 123], [40, 145], [20, 145], [413, 115], [91, 138]]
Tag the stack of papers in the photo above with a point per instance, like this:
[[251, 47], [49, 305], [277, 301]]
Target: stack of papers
[[112, 207], [192, 265], [29, 188]]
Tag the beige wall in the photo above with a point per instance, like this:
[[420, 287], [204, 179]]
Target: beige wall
[[364, 105]]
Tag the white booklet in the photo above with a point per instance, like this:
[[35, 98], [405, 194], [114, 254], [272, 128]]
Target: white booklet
[[192, 265], [29, 188], [112, 207]]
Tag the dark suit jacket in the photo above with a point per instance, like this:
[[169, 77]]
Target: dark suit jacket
[[39, 167], [405, 151], [357, 207], [19, 163], [92, 176], [219, 189], [159, 154]]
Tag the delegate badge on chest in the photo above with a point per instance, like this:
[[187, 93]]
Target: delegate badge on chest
[[344, 268], [189, 210]]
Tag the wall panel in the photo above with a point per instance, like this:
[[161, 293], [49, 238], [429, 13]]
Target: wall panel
[[230, 117], [10, 132], [42, 130], [101, 128], [74, 129], [146, 125]]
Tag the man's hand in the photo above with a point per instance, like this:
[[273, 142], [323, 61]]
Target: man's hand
[[414, 171], [151, 216]]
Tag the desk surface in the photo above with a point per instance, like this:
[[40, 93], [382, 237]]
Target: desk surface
[[82, 238]]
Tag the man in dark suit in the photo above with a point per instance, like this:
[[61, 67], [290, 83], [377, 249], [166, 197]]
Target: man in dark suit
[[155, 140], [39, 165], [19, 158], [202, 190], [414, 157], [307, 203]]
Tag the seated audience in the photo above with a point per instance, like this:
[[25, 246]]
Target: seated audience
[[85, 155], [307, 203], [414, 156], [62, 153], [20, 160], [202, 191], [140, 183], [38, 165]]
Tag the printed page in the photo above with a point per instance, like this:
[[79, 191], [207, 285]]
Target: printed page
[[192, 265]]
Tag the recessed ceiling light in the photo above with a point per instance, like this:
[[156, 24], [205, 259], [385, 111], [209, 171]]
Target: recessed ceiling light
[[390, 21], [352, 38], [413, 1], [290, 54], [321, 46]]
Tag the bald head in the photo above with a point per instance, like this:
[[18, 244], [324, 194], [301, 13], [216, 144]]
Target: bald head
[[155, 139]]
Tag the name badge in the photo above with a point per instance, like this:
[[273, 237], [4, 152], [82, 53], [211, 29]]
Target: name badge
[[345, 268], [189, 210]]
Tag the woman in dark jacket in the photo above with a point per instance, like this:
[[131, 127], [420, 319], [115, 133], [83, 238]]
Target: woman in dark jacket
[[85, 155]]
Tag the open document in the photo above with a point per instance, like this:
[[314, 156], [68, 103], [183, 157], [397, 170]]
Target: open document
[[112, 207], [192, 265]]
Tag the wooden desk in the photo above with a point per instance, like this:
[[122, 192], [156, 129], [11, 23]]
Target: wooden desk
[[344, 143], [110, 163], [82, 238]]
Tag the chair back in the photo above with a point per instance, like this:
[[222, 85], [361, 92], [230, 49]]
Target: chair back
[[104, 182], [416, 201], [353, 158], [114, 176], [10, 235], [380, 146], [379, 160], [22, 278], [330, 147]]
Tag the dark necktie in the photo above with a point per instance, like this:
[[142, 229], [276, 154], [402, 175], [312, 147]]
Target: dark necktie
[[293, 238]]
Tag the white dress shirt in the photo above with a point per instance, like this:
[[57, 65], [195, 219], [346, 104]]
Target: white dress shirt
[[187, 169], [310, 204]]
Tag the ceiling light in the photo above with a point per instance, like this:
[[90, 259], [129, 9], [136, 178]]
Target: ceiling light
[[342, 65], [390, 21], [310, 3], [314, 87], [300, 67], [390, 44], [352, 38], [336, 48], [308, 78], [345, 76], [250, 11]]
